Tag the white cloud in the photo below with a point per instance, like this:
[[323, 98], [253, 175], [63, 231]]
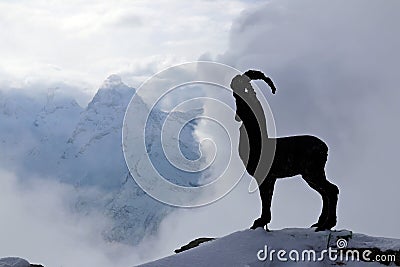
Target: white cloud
[[86, 41], [37, 224]]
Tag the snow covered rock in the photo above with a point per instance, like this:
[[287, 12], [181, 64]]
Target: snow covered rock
[[193, 244], [14, 262], [289, 247]]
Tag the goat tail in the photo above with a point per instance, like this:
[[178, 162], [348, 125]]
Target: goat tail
[[258, 75]]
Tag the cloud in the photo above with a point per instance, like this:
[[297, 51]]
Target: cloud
[[37, 224], [86, 41]]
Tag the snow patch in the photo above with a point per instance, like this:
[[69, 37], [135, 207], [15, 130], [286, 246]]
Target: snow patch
[[13, 262]]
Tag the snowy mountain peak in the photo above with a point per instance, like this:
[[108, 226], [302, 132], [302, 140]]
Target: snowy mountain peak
[[112, 81], [113, 92]]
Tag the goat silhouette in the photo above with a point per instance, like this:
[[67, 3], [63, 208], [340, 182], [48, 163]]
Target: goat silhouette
[[294, 155]]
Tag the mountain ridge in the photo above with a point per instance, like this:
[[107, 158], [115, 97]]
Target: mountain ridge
[[51, 136]]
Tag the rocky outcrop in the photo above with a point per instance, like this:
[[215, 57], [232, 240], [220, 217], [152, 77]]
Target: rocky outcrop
[[16, 262], [194, 243]]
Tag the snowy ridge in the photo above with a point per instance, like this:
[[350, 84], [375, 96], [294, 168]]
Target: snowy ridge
[[243, 249]]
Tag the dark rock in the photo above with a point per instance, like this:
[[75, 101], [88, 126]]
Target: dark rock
[[194, 243]]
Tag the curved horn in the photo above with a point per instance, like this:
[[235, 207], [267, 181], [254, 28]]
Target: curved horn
[[258, 75]]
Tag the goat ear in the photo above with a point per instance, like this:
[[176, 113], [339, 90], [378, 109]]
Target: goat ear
[[237, 118], [253, 186]]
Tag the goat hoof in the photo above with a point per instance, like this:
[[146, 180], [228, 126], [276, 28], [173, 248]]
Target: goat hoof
[[256, 226], [258, 223], [264, 227], [315, 225], [327, 225], [323, 228]]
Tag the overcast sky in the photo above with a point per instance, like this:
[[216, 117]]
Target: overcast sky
[[335, 64], [83, 42]]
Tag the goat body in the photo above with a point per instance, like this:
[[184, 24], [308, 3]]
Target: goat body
[[298, 155], [268, 159]]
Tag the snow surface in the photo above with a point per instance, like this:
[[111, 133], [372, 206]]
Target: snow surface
[[13, 262], [241, 248]]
